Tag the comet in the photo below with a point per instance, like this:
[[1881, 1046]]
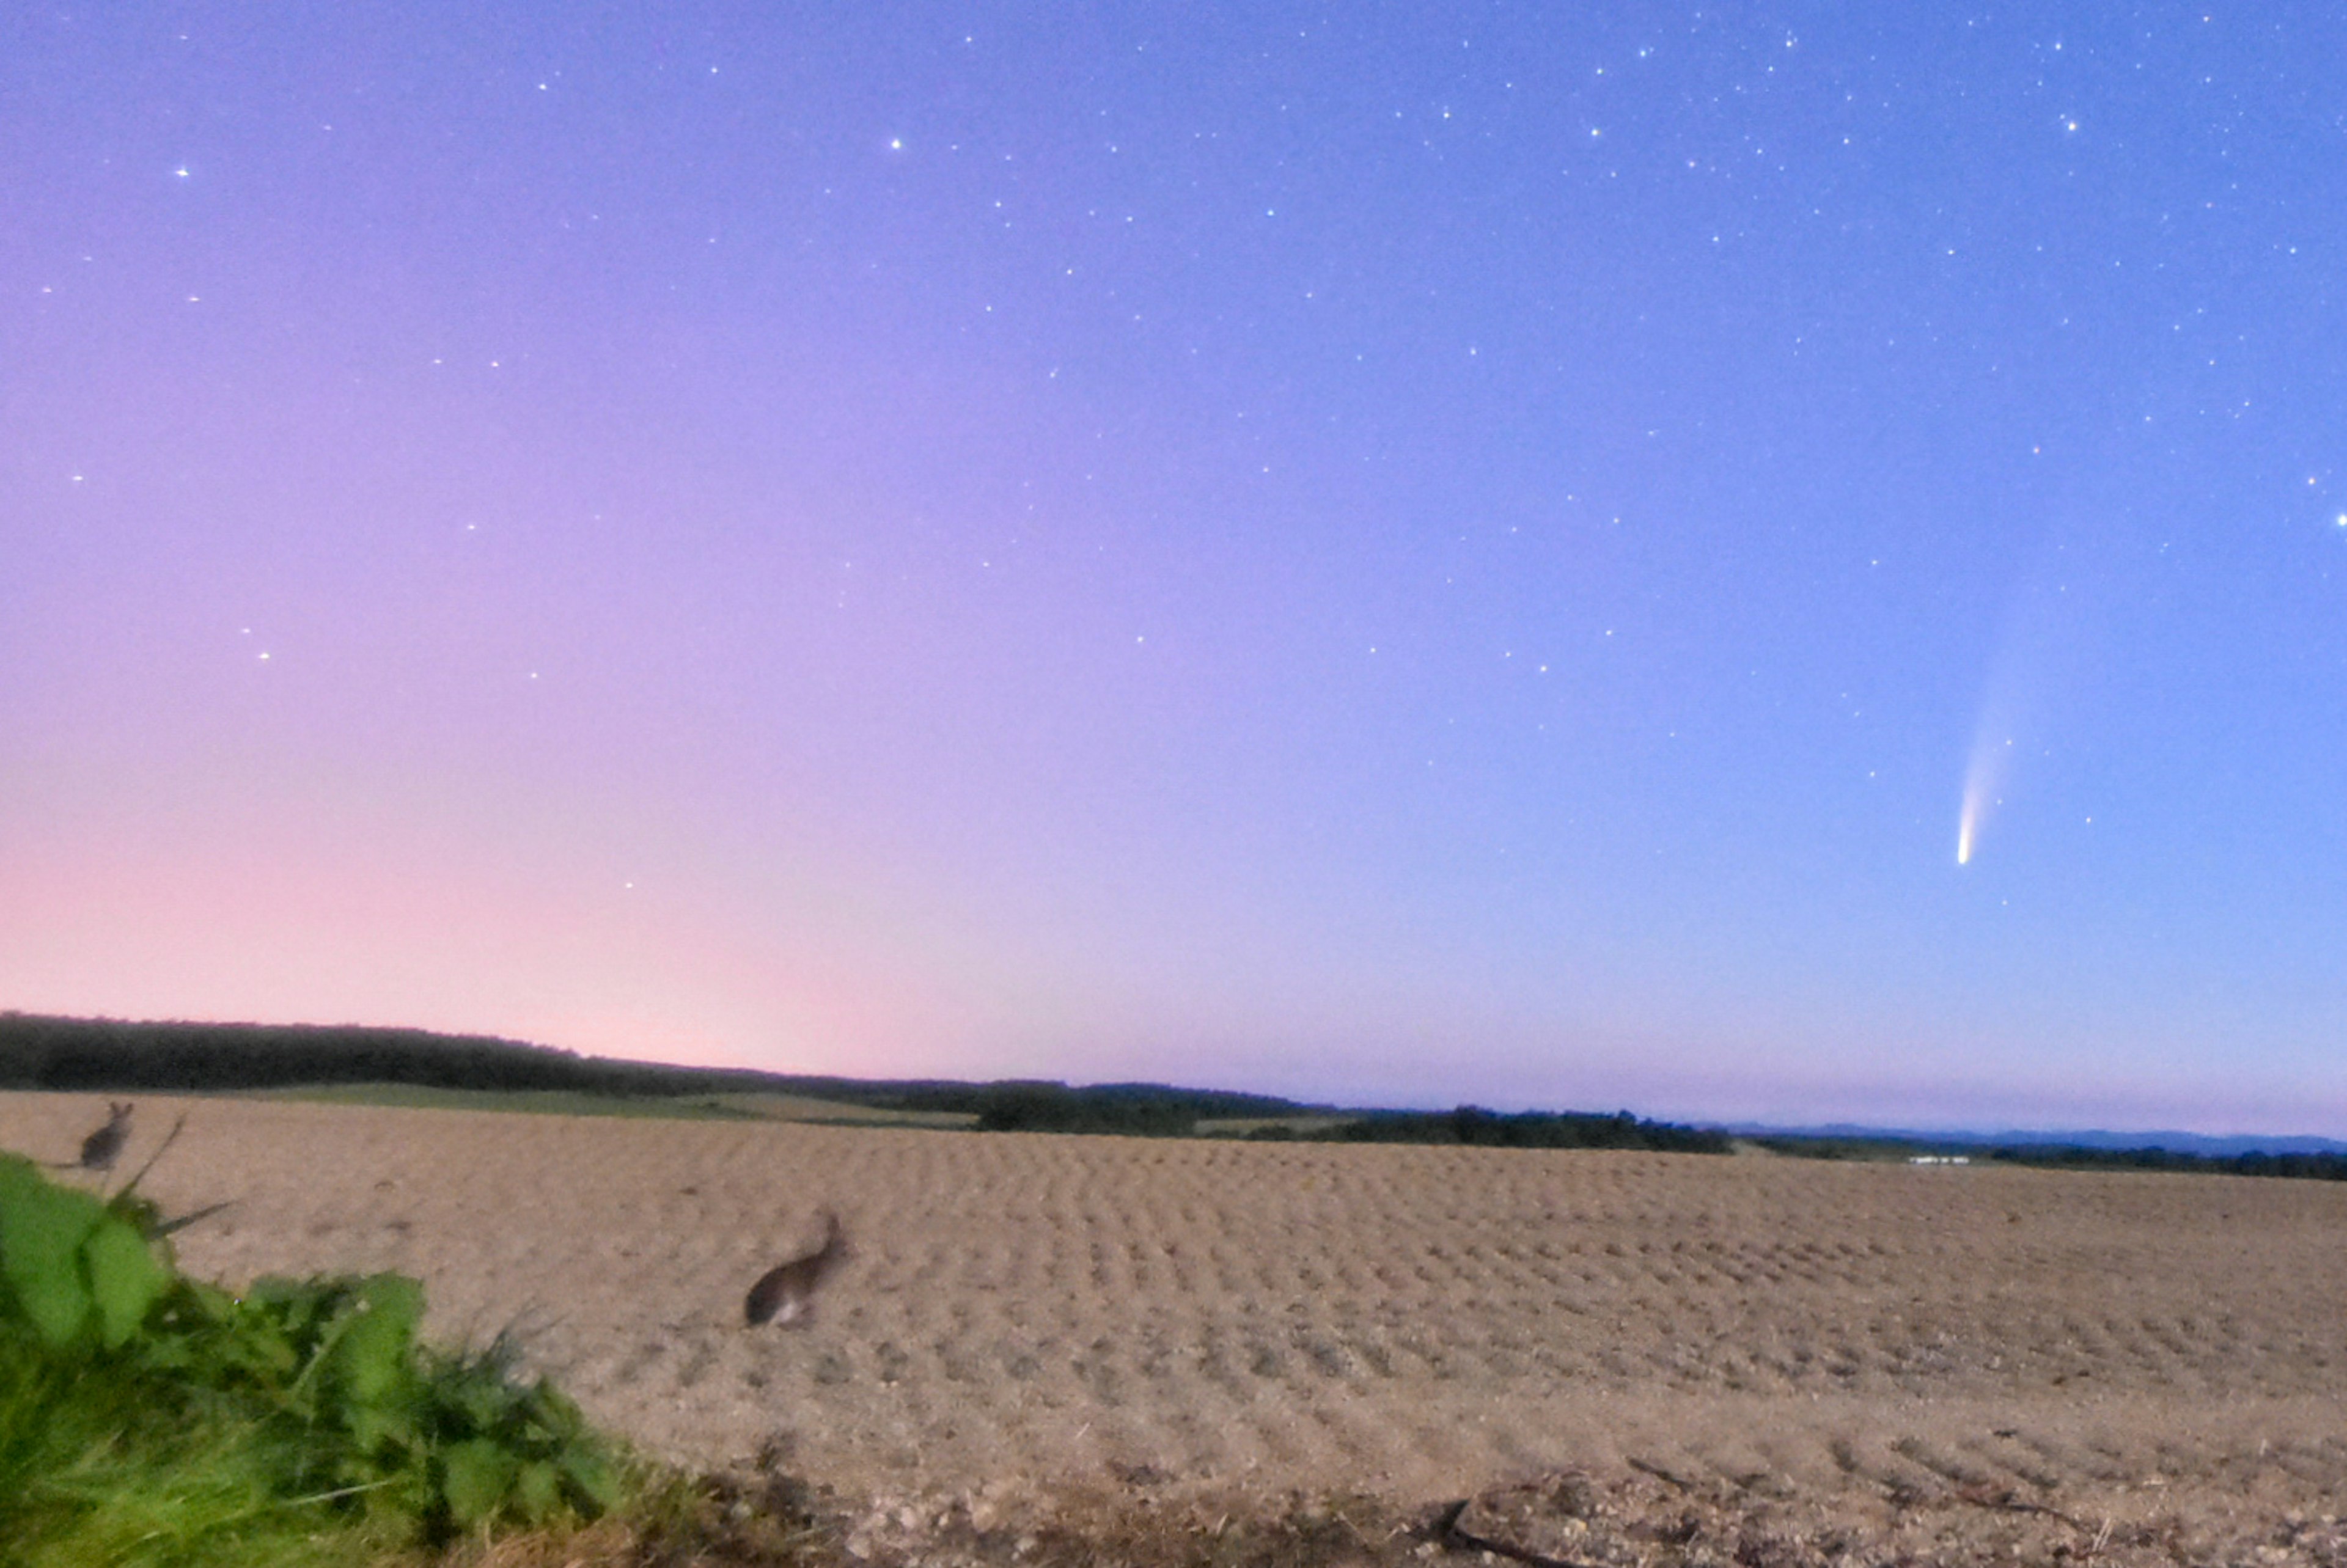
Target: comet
[[2036, 653], [1984, 777]]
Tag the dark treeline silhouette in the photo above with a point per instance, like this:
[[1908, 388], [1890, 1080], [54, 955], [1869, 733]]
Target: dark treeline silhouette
[[2320, 1167], [113, 1055], [1803, 1148], [2311, 1165], [1473, 1125], [1148, 1110], [37, 1053]]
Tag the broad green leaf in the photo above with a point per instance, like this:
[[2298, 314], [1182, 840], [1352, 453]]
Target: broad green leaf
[[394, 1297], [372, 1430], [124, 1278], [476, 1476], [538, 1491], [373, 1359], [17, 1174], [42, 1227]]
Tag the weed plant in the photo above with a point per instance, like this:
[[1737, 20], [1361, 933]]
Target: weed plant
[[147, 1418]]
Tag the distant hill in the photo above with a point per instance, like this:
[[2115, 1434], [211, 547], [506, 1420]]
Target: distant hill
[[38, 1051], [43, 1053], [2315, 1159], [2175, 1143], [108, 1054]]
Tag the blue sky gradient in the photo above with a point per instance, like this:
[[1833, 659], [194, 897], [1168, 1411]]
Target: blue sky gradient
[[1440, 553]]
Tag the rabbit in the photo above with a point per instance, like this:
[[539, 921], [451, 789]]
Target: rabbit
[[103, 1147], [784, 1293]]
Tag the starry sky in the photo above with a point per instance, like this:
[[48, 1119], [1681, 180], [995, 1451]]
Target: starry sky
[[1405, 554]]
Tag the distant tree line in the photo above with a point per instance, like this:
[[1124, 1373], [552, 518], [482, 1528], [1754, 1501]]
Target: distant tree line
[[2311, 1166], [1145, 1109], [108, 1054], [39, 1052], [1476, 1127], [2320, 1166], [1841, 1148]]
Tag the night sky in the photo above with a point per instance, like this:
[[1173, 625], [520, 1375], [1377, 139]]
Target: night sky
[[1390, 554]]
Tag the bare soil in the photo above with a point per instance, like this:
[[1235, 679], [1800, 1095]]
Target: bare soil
[[1056, 1349]]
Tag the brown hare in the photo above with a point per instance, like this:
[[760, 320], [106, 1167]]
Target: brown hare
[[103, 1147], [784, 1293]]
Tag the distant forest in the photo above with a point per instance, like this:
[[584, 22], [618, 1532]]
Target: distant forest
[[2321, 1167], [1482, 1129], [104, 1054], [2309, 1166], [39, 1052]]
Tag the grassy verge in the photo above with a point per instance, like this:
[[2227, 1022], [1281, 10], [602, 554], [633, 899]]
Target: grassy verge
[[147, 1417]]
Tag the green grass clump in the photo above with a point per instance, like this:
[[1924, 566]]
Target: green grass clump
[[147, 1417]]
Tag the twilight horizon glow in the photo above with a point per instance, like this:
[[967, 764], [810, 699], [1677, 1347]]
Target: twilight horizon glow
[[1450, 554]]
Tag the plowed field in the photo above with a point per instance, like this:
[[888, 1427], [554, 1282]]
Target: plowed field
[[2050, 1347]]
